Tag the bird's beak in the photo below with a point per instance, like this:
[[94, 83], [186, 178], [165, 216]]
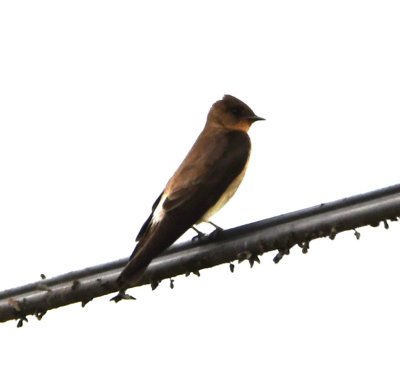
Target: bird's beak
[[255, 118]]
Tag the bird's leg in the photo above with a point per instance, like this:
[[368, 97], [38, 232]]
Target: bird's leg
[[199, 236], [214, 225], [217, 230]]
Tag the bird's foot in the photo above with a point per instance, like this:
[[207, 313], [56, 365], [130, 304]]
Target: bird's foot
[[217, 227], [200, 235], [216, 233]]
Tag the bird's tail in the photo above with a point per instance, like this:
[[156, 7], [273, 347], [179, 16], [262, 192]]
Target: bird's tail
[[146, 249], [130, 275], [158, 238]]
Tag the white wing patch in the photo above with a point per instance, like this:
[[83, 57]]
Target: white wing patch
[[159, 212]]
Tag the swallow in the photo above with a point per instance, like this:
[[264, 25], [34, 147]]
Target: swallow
[[204, 182]]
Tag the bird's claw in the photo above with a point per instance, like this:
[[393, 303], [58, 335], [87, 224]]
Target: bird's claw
[[200, 236], [216, 233]]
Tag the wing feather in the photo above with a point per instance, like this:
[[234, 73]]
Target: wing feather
[[214, 161]]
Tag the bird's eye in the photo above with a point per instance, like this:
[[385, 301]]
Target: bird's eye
[[235, 111]]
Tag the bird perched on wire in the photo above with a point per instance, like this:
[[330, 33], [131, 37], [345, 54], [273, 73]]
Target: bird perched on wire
[[207, 178]]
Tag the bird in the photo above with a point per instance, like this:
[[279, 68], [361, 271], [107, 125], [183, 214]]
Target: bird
[[204, 182]]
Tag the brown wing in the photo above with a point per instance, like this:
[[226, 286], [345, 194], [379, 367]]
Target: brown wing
[[207, 171], [200, 182]]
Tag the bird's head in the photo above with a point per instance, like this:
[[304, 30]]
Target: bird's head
[[232, 114]]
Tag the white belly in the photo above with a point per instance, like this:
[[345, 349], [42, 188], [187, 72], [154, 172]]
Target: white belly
[[230, 191], [159, 212]]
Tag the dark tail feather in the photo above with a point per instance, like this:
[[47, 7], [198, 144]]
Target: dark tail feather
[[130, 276], [153, 242]]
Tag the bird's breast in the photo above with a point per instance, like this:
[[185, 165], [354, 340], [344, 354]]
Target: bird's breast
[[229, 192]]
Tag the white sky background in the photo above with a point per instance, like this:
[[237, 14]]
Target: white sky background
[[100, 101]]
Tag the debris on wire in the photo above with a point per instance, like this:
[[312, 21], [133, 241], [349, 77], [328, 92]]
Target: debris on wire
[[40, 314], [154, 284], [86, 301], [195, 272], [122, 295], [279, 233], [305, 246], [75, 285], [21, 321], [332, 233], [278, 257]]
